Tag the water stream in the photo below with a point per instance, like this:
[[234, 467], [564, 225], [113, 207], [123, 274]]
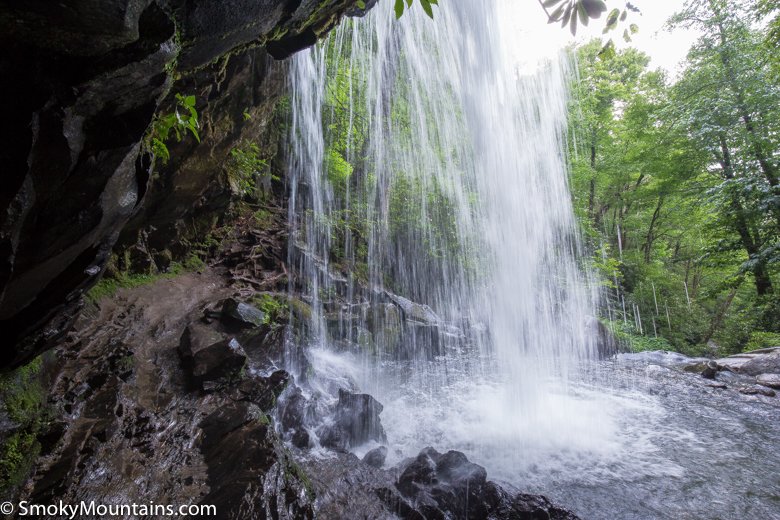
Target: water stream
[[436, 245]]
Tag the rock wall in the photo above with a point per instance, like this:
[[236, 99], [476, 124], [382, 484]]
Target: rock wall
[[82, 81]]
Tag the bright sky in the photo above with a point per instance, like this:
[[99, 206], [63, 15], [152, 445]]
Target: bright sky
[[665, 49]]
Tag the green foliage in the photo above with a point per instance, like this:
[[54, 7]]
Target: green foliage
[[629, 336], [248, 173], [759, 339], [275, 307], [24, 401], [108, 286], [246, 167], [176, 124], [675, 184], [401, 5]]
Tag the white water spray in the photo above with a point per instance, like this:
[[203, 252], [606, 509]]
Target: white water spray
[[428, 163]]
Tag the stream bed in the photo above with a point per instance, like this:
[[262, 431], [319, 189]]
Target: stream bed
[[636, 438]]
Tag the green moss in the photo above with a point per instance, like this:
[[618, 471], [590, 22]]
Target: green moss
[[294, 472], [23, 399], [194, 263], [108, 286], [264, 218], [275, 307]]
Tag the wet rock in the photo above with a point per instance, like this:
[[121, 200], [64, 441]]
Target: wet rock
[[413, 311], [769, 380], [754, 363], [710, 370], [420, 341], [356, 422], [210, 362], [248, 472], [607, 345], [385, 323], [262, 391], [292, 409], [443, 486], [301, 439], [241, 314], [720, 386], [376, 457], [757, 390]]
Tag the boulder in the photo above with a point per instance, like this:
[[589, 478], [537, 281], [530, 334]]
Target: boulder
[[757, 390], [421, 341], [248, 470], [241, 314], [769, 380], [356, 422], [413, 311], [262, 391], [292, 410], [710, 370], [376, 457], [210, 361], [754, 363], [442, 486]]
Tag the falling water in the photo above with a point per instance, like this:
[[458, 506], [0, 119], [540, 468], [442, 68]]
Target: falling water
[[428, 164], [436, 264]]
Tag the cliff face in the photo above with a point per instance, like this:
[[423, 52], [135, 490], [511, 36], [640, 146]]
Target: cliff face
[[82, 81]]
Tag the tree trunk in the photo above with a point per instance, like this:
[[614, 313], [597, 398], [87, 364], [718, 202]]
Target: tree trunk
[[647, 247]]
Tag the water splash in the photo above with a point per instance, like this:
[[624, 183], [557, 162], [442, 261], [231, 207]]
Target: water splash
[[434, 234]]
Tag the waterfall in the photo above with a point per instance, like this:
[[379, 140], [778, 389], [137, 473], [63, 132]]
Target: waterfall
[[433, 234]]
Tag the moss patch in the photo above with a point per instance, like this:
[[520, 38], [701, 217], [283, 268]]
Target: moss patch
[[23, 400], [108, 286]]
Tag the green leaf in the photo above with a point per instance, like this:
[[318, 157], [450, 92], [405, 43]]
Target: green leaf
[[360, 3], [427, 7], [594, 8], [556, 15], [189, 101], [583, 13], [566, 15], [399, 8], [573, 24], [607, 51], [613, 17]]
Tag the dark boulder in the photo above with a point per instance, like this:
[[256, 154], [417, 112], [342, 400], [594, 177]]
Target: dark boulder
[[376, 457], [443, 486], [710, 370], [262, 391], [293, 416], [241, 314], [356, 422], [210, 358], [249, 474]]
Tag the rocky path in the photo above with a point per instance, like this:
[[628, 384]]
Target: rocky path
[[132, 428]]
